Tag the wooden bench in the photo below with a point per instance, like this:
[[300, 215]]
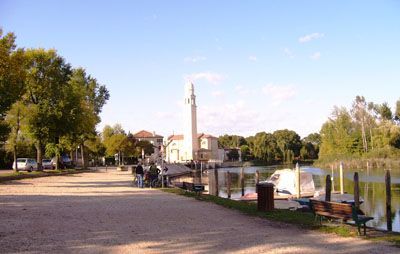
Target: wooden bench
[[340, 211], [198, 188]]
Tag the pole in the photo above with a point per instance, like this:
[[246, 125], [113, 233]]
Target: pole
[[298, 189], [356, 191], [216, 182], [228, 184], [332, 178], [162, 168], [341, 178], [257, 176], [242, 180], [388, 201], [328, 188]]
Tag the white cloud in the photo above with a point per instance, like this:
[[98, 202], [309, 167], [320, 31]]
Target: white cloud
[[253, 58], [288, 53], [242, 91], [194, 59], [213, 78], [310, 37], [217, 93], [316, 56], [279, 93]]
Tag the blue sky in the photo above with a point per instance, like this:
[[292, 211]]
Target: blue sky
[[256, 65]]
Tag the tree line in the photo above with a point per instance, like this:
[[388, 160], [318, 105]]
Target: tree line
[[47, 107], [281, 146], [366, 130]]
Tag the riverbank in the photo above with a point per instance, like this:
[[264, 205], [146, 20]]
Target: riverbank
[[360, 163]]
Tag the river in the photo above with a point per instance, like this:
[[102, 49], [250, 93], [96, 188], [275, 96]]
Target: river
[[372, 188]]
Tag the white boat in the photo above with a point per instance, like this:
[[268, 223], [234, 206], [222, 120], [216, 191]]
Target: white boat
[[284, 181]]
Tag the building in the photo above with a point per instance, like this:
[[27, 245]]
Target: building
[[152, 137], [191, 145]]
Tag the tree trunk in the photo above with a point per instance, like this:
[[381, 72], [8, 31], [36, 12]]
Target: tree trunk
[[39, 154], [372, 140], [15, 158], [83, 156]]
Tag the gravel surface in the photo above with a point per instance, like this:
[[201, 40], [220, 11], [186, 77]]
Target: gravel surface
[[101, 212]]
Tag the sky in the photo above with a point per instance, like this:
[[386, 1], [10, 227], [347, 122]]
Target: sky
[[256, 65]]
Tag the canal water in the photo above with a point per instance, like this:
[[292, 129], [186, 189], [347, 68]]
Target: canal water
[[372, 188]]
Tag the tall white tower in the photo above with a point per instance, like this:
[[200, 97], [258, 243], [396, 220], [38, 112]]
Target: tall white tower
[[191, 143]]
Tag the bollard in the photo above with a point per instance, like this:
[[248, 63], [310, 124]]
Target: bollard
[[257, 176], [228, 184], [265, 196], [356, 191], [341, 178], [242, 180], [216, 182], [388, 201], [298, 184], [328, 188]]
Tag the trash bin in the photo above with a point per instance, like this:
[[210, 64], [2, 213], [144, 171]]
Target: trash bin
[[265, 196]]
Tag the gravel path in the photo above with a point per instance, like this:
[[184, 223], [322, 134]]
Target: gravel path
[[102, 213]]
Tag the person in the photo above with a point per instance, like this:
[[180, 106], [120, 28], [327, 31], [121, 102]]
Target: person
[[139, 175], [153, 171]]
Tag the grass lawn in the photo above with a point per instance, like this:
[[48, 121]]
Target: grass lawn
[[301, 219]]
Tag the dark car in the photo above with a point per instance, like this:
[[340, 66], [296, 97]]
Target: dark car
[[64, 160]]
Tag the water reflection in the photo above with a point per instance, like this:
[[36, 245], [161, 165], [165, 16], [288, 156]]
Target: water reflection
[[372, 188]]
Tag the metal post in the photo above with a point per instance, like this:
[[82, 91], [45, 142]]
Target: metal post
[[242, 180], [356, 191], [298, 189], [388, 201]]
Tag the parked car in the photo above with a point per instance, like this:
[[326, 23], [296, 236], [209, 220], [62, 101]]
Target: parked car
[[27, 164], [47, 164], [65, 161]]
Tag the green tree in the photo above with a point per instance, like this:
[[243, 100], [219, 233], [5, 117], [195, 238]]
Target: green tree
[[47, 93], [288, 140], [15, 118], [265, 147], [12, 77]]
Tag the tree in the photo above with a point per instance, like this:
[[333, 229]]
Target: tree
[[12, 77], [265, 147], [15, 119], [359, 112], [288, 140], [231, 141], [397, 112], [233, 155], [90, 97], [47, 96]]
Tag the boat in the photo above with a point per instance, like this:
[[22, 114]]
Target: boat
[[284, 181]]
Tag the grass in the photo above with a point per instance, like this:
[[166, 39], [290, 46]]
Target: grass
[[302, 219], [24, 174]]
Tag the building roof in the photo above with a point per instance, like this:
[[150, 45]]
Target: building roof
[[199, 136], [146, 134]]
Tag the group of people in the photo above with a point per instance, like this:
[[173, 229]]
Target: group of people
[[143, 175]]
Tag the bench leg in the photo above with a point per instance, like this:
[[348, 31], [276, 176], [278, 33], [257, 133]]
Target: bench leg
[[365, 229]]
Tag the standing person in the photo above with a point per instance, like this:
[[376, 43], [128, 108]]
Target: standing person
[[154, 171], [139, 175]]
